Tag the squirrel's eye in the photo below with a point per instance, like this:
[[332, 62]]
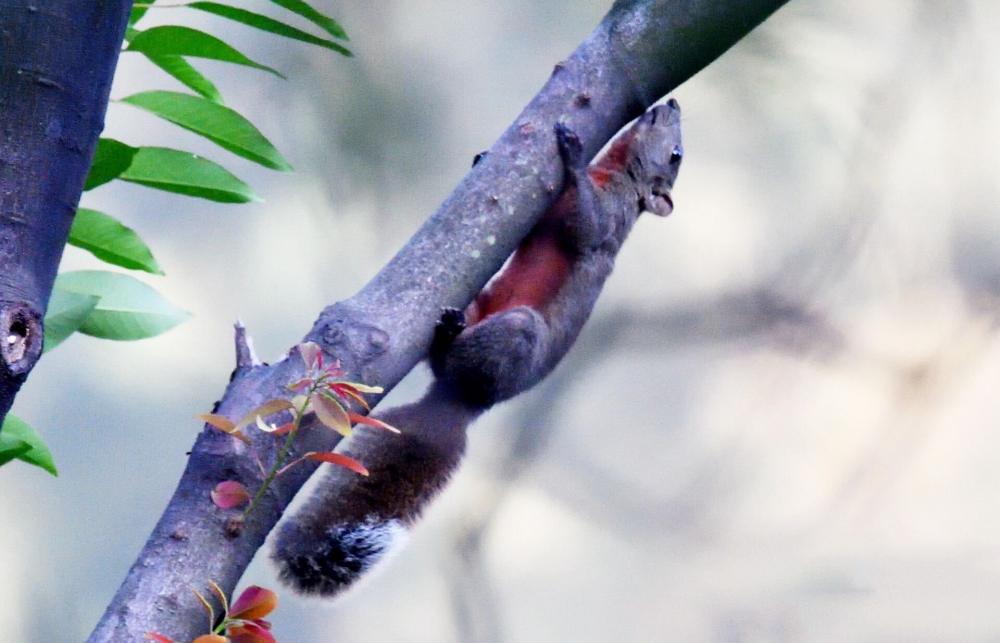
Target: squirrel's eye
[[676, 154]]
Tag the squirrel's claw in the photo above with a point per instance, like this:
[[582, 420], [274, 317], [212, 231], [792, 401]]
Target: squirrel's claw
[[570, 146], [450, 324]]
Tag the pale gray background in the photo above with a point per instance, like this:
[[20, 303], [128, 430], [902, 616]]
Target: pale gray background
[[820, 467]]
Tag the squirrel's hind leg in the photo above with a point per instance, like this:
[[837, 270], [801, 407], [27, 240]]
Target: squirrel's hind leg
[[495, 359]]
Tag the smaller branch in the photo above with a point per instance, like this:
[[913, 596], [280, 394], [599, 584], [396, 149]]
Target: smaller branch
[[473, 598], [246, 357]]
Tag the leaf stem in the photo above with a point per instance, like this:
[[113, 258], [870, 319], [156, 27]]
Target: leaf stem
[[282, 454]]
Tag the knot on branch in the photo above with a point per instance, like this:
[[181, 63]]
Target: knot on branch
[[342, 336], [21, 336]]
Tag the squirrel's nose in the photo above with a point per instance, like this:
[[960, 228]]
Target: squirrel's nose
[[672, 104]]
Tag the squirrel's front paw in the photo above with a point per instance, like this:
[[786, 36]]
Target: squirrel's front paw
[[451, 323], [570, 147]]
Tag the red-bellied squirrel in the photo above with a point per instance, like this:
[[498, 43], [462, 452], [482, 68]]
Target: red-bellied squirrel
[[509, 338]]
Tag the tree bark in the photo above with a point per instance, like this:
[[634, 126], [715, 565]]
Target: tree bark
[[57, 59], [641, 50]]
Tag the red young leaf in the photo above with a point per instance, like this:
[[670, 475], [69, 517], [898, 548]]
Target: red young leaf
[[249, 632], [284, 428], [310, 353], [331, 413], [211, 638], [301, 385], [346, 392], [218, 421], [370, 421], [265, 427], [333, 371], [221, 594], [230, 494], [362, 388], [340, 460], [263, 411], [254, 603], [301, 404], [223, 424], [159, 638], [204, 603]]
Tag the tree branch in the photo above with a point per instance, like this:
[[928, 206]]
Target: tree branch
[[641, 50], [57, 58]]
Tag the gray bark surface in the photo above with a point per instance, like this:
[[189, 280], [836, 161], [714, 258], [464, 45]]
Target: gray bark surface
[[57, 59]]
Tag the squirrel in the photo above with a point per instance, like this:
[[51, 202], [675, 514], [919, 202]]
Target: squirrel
[[509, 338]]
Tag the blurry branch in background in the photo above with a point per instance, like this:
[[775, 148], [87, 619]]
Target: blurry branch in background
[[788, 314], [854, 251], [642, 50], [887, 104], [756, 317]]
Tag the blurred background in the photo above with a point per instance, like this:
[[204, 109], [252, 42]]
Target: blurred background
[[780, 425]]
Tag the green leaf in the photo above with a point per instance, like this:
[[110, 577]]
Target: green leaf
[[182, 70], [128, 309], [110, 160], [217, 123], [265, 23], [138, 11], [17, 430], [110, 241], [186, 173], [303, 9], [66, 313], [184, 41], [11, 447]]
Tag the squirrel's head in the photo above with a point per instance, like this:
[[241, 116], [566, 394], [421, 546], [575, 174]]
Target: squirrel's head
[[655, 158]]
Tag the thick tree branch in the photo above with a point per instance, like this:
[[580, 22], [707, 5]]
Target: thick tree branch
[[641, 50], [57, 58]]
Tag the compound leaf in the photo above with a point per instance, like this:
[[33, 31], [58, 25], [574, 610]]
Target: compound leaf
[[128, 309]]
